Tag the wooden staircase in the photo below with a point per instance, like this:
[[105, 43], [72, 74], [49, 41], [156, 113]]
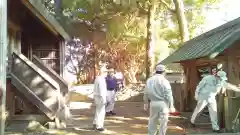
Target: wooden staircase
[[41, 87]]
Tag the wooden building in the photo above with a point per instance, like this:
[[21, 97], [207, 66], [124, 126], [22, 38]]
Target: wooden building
[[36, 56], [201, 55]]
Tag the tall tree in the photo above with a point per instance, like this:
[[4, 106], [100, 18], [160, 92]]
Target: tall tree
[[150, 18], [128, 38], [182, 20], [150, 43]]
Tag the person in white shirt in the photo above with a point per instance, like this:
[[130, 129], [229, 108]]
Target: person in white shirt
[[100, 95], [120, 80], [205, 94], [159, 93]]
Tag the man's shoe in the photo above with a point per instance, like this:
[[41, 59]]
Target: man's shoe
[[94, 126], [100, 129], [108, 114], [113, 113], [218, 131], [193, 125]]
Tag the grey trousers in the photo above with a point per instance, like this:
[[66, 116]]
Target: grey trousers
[[158, 115]]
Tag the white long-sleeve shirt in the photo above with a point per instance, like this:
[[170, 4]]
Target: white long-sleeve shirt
[[210, 86], [100, 89], [158, 88]]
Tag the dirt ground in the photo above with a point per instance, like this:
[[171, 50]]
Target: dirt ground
[[130, 120]]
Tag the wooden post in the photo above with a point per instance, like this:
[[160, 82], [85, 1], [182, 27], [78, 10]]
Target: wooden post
[[191, 82], [30, 51], [3, 62], [228, 101], [182, 98], [62, 57], [221, 119]]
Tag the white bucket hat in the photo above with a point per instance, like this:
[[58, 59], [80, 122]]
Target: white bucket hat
[[222, 75], [160, 68]]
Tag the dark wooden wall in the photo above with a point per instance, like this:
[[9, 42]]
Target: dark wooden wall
[[36, 39]]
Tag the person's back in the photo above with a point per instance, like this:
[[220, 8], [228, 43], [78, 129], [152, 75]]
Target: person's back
[[157, 86], [159, 94]]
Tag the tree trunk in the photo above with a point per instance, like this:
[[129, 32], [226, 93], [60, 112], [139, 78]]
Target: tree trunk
[[57, 7], [149, 60], [182, 21], [153, 37]]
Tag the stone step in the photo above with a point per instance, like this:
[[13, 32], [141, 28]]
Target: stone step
[[24, 125]]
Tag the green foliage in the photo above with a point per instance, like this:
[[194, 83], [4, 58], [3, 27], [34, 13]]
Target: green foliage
[[195, 17], [126, 22], [79, 8], [126, 18]]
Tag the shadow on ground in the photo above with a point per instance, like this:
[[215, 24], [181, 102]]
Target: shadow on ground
[[130, 120]]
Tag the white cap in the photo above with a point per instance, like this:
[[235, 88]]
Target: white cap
[[103, 69], [222, 75], [160, 67]]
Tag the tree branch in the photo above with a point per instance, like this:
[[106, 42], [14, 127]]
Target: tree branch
[[167, 6], [141, 8]]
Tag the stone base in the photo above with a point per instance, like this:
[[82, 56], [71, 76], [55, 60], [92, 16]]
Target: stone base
[[25, 126]]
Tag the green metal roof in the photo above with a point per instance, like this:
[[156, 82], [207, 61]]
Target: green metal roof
[[208, 44], [42, 11]]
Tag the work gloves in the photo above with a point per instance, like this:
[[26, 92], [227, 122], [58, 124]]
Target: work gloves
[[196, 96], [145, 107]]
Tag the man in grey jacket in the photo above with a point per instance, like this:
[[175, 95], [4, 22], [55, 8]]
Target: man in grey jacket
[[159, 93]]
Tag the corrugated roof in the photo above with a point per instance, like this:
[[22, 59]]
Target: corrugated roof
[[210, 43]]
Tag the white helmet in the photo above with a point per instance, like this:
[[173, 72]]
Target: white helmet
[[222, 75]]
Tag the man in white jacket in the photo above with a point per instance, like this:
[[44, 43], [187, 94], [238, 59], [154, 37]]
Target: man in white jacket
[[100, 95], [159, 93], [205, 94]]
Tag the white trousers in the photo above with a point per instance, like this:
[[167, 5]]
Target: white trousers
[[158, 115], [99, 114], [212, 108], [110, 100]]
